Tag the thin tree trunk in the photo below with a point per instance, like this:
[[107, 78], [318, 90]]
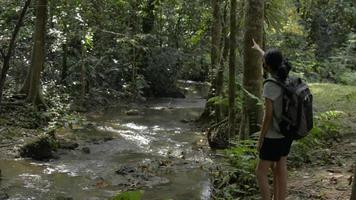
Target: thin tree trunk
[[224, 57], [10, 50], [215, 55], [38, 54], [26, 85], [215, 38], [252, 73], [216, 51], [232, 69], [64, 72], [148, 20], [82, 77], [64, 63], [353, 194]]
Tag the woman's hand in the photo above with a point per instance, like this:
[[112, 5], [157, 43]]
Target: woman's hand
[[257, 47]]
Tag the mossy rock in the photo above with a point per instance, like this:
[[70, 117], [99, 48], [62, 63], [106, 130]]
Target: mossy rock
[[66, 144], [40, 148]]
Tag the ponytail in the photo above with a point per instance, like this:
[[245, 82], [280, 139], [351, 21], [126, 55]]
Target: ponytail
[[283, 70], [279, 67]]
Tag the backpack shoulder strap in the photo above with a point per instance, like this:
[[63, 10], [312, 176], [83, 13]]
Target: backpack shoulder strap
[[275, 82]]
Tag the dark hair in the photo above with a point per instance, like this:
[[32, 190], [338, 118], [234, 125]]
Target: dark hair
[[279, 66]]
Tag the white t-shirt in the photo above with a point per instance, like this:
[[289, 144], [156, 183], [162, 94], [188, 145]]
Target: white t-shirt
[[273, 92]]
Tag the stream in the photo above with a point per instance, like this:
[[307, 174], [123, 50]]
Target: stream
[[155, 151]]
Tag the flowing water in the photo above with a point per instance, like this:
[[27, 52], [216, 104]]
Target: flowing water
[[154, 151]]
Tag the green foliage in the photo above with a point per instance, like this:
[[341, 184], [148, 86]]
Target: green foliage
[[348, 78], [327, 23], [130, 195], [312, 148], [219, 100], [342, 66], [161, 71], [239, 182], [276, 13], [243, 156]]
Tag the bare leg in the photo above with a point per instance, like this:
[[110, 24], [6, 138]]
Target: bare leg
[[281, 170], [262, 178], [275, 182]]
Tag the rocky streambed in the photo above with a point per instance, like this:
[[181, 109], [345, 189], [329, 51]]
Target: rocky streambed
[[152, 147]]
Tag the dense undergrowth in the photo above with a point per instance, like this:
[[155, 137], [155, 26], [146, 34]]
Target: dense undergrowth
[[335, 116]]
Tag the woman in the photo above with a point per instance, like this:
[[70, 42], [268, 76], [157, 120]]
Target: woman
[[272, 146]]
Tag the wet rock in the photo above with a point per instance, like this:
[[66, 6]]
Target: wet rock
[[108, 138], [133, 112], [39, 148], [65, 144], [4, 195], [125, 170], [86, 150], [185, 120], [174, 94], [139, 176], [63, 198], [101, 183]]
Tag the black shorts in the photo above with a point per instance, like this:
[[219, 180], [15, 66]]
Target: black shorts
[[274, 149]]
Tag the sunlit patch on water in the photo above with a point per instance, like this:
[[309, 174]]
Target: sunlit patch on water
[[206, 190], [134, 126], [158, 108], [113, 130], [136, 138], [60, 169], [131, 135], [34, 181], [157, 128]]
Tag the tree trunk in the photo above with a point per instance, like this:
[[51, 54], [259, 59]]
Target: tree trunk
[[353, 194], [82, 77], [252, 71], [232, 69], [215, 38], [38, 54], [10, 50], [216, 52], [215, 55], [64, 63], [223, 59]]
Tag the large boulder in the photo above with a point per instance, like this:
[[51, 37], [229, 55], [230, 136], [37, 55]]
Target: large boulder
[[40, 148]]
